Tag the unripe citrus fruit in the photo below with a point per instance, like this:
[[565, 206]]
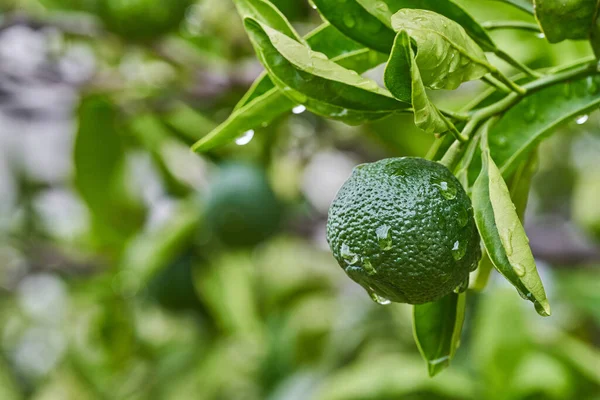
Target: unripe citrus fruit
[[403, 229], [241, 208]]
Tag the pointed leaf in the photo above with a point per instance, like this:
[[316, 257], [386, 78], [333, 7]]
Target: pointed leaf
[[570, 19], [265, 12], [437, 328], [446, 55], [403, 79], [503, 235], [310, 78]]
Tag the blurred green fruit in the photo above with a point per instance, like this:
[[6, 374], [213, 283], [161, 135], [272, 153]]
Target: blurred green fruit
[[173, 287], [241, 208], [142, 20], [403, 228]]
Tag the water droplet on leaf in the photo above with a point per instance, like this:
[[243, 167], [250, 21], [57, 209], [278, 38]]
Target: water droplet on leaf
[[519, 269], [540, 309], [299, 109], [384, 237], [541, 35], [582, 119], [245, 138], [349, 20]]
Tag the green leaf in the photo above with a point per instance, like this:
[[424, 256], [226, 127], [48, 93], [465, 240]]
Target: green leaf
[[437, 327], [566, 19], [403, 79], [265, 12], [384, 9], [503, 235], [350, 18], [446, 55], [310, 78], [525, 5], [537, 116]]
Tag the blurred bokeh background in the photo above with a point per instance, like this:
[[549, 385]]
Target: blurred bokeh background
[[131, 268]]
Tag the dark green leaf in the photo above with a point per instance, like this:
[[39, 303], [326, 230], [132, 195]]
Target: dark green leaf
[[437, 327], [355, 22], [384, 9], [403, 79], [310, 78], [566, 19], [525, 5], [537, 116], [503, 235], [446, 55]]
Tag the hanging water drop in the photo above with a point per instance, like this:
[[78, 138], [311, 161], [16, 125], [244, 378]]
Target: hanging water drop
[[299, 109], [245, 138], [349, 257], [384, 237], [582, 119], [377, 298], [519, 269], [540, 309], [463, 286]]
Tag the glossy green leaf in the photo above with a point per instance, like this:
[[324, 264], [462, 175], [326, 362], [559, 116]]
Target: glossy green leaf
[[437, 327], [403, 79], [446, 55], [566, 19], [525, 5], [537, 116], [350, 18], [265, 12], [310, 78], [503, 234], [384, 9]]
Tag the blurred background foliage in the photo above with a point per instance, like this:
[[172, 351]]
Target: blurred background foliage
[[131, 268]]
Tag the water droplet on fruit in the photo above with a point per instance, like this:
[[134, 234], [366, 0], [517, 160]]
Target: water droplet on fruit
[[367, 266], [462, 217], [245, 138], [349, 257], [384, 237], [582, 119], [299, 109], [377, 298], [519, 269], [540, 309], [349, 20], [459, 249], [446, 189], [463, 286]]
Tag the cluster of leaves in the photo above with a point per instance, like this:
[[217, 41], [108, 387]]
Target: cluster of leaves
[[490, 145]]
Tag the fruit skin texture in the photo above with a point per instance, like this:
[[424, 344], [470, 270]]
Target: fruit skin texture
[[403, 228], [241, 209], [142, 20]]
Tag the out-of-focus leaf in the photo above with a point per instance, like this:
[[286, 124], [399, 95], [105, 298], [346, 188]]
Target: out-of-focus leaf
[[403, 80], [384, 9], [582, 357], [566, 19], [503, 234], [99, 156], [543, 376], [350, 18], [446, 55], [265, 12], [8, 385], [393, 377], [536, 117], [525, 5], [187, 122], [437, 327], [151, 251]]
